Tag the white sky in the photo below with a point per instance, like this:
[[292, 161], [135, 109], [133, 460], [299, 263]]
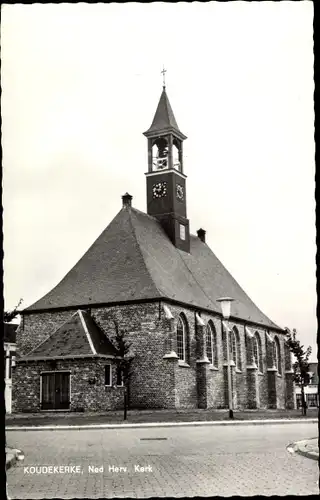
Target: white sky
[[81, 82]]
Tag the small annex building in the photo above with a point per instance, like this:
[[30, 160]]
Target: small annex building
[[146, 275]]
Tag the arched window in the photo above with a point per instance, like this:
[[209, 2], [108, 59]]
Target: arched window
[[257, 350], [277, 355], [212, 353], [236, 354], [182, 339], [233, 347]]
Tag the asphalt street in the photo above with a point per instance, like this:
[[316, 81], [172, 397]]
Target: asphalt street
[[173, 461]]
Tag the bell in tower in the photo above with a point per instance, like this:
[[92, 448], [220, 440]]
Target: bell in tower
[[166, 182]]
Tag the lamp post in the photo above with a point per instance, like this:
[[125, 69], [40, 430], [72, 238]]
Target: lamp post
[[225, 303]]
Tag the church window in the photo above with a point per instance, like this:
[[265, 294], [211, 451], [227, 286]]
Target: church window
[[257, 349], [181, 339], [182, 232], [108, 376], [236, 348], [212, 353], [277, 355]]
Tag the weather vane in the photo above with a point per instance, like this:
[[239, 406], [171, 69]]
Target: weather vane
[[164, 77]]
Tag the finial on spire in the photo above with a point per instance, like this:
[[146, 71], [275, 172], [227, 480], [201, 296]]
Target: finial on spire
[[164, 77]]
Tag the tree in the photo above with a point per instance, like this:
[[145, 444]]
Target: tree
[[10, 315], [124, 364], [301, 365]]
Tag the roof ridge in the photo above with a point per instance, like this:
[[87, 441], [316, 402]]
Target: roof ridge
[[51, 335], [101, 330], [86, 331], [142, 256]]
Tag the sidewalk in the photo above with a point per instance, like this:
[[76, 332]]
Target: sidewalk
[[308, 448], [153, 417], [12, 456]]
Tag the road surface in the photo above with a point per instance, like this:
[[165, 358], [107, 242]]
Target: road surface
[[174, 461]]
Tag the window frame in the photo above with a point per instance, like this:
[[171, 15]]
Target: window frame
[[209, 349], [212, 334], [182, 321], [277, 350], [119, 373], [110, 374], [257, 349], [314, 399], [236, 350]]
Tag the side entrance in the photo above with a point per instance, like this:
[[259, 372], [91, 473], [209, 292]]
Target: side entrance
[[55, 390]]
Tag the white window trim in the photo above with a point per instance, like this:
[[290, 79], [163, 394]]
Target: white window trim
[[209, 329], [214, 346], [184, 359], [182, 229]]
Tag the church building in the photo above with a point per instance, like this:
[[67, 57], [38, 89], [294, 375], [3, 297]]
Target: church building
[[148, 277]]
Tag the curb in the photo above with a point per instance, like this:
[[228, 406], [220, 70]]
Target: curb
[[161, 424], [301, 449], [12, 457]]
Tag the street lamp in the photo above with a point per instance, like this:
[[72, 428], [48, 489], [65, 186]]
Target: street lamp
[[225, 303]]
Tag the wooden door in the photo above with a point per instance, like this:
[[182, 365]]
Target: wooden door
[[55, 391]]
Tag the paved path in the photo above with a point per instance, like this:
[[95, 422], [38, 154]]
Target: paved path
[[199, 461]]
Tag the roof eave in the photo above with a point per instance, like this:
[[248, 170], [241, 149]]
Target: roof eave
[[159, 299], [25, 359], [153, 133]]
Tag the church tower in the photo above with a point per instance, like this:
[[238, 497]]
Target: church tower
[[166, 181]]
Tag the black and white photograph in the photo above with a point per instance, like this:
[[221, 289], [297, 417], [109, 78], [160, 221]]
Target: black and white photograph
[[159, 243]]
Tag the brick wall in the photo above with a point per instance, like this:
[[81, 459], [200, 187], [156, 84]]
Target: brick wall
[[164, 383], [152, 381], [26, 394], [35, 328]]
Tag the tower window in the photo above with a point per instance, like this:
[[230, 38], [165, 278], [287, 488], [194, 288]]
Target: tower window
[[182, 232], [160, 154]]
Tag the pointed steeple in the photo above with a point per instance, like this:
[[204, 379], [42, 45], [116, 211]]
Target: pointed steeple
[[164, 120]]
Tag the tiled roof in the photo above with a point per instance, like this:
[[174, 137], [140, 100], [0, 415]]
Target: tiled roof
[[79, 336], [133, 259], [164, 119], [9, 332]]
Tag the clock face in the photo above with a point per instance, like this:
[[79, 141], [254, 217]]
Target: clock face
[[180, 192], [159, 189]]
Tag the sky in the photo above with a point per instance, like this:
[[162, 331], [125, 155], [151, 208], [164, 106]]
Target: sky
[[81, 83]]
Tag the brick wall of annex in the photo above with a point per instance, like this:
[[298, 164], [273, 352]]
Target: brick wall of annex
[[84, 396]]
